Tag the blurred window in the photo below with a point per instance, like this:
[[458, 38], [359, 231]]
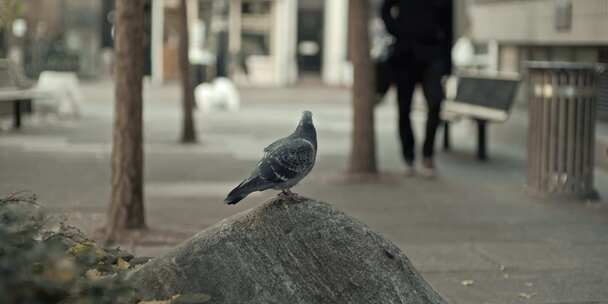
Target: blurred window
[[563, 15], [63, 36], [256, 27]]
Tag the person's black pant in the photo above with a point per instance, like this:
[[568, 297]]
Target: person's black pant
[[429, 75]]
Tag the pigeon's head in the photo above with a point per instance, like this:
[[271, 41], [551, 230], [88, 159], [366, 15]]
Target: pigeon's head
[[306, 128], [306, 118]]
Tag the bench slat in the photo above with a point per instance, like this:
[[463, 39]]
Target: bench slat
[[19, 94], [459, 109]]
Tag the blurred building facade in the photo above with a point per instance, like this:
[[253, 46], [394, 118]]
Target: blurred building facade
[[553, 30], [546, 30], [261, 42], [255, 42], [279, 42], [275, 42]]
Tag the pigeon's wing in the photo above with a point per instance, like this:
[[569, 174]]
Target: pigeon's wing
[[298, 155], [275, 144], [287, 161]]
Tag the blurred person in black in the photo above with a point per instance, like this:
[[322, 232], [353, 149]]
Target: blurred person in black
[[423, 34]]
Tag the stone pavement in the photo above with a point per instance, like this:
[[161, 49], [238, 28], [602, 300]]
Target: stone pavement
[[473, 233]]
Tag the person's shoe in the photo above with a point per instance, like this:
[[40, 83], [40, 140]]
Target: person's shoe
[[428, 169], [410, 169]]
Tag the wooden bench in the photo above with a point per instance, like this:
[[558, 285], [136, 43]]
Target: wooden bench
[[485, 99], [15, 89]]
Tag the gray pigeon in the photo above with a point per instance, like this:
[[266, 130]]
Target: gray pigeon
[[286, 162]]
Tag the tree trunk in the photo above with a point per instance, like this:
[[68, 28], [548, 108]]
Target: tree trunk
[[127, 206], [363, 154], [188, 128], [4, 41]]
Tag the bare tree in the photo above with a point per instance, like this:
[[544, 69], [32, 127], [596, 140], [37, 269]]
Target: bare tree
[[363, 154], [127, 205], [188, 127]]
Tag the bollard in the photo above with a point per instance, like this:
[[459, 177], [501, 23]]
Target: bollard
[[561, 132]]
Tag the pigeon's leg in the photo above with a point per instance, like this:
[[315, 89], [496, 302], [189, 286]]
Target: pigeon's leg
[[289, 194]]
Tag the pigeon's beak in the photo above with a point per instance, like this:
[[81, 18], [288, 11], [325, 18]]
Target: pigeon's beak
[[307, 116]]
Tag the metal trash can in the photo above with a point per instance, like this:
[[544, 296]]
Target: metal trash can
[[602, 97], [562, 114]]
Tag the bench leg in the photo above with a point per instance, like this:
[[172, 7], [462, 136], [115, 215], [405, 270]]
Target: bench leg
[[447, 142], [482, 143], [17, 114]]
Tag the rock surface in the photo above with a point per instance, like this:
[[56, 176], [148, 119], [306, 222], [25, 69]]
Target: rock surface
[[287, 251]]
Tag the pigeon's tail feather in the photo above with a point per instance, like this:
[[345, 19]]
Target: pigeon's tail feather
[[249, 185]]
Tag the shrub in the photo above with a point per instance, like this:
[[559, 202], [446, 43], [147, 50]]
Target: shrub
[[46, 261]]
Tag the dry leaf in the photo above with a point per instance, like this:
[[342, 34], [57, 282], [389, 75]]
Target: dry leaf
[[122, 264], [467, 282], [526, 295], [93, 274]]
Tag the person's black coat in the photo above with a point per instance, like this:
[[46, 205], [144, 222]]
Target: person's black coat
[[423, 29]]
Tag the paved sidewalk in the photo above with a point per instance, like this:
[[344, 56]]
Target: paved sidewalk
[[473, 233]]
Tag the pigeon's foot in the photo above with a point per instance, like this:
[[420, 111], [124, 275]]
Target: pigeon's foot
[[288, 194]]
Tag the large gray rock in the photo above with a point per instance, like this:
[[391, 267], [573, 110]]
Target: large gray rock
[[287, 251]]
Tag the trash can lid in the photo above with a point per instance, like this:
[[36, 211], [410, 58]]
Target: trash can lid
[[560, 65]]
